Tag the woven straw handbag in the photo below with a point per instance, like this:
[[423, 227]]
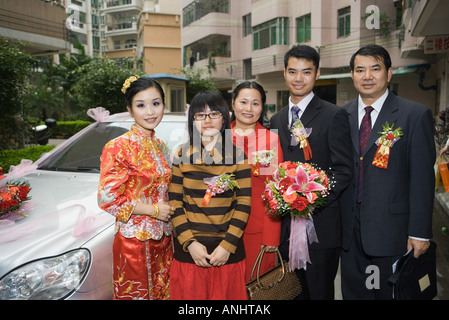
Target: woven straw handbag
[[276, 284]]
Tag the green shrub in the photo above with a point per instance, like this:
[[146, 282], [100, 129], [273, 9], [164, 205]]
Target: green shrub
[[13, 157], [69, 128]]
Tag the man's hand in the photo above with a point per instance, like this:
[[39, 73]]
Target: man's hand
[[419, 246]]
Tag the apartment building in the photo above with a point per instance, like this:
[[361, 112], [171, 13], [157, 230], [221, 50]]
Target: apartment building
[[239, 40], [39, 23], [426, 35], [84, 24], [147, 31]]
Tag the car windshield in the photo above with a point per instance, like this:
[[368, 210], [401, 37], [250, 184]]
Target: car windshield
[[83, 154]]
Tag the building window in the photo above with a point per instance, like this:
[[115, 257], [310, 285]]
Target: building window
[[247, 30], [282, 99], [96, 43], [177, 99], [304, 28], [95, 23], [344, 22], [130, 43], [247, 69], [273, 32]]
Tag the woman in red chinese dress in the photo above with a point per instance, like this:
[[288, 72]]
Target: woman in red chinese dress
[[134, 188], [264, 153]]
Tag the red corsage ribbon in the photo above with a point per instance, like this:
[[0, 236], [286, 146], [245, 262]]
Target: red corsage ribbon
[[384, 144], [217, 185], [299, 136]]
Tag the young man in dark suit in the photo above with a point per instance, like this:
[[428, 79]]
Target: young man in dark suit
[[388, 207], [331, 151]]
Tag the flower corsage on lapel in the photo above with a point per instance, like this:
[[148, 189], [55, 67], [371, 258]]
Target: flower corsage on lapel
[[217, 185], [299, 136], [384, 144], [261, 159]]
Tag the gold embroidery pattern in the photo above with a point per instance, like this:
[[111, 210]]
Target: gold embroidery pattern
[[133, 169]]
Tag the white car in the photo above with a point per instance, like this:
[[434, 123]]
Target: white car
[[63, 249]]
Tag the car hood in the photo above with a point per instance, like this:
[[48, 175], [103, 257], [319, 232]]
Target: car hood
[[65, 216]]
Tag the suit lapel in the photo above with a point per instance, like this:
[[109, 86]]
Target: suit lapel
[[285, 128], [354, 123], [312, 110]]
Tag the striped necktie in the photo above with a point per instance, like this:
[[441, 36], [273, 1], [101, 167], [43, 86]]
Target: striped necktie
[[295, 112], [364, 133]]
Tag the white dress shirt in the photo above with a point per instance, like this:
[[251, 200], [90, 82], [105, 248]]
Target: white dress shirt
[[302, 105]]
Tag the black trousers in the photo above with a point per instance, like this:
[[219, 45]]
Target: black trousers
[[317, 280], [365, 277]]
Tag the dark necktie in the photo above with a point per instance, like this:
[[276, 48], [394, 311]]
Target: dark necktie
[[295, 111], [364, 133]]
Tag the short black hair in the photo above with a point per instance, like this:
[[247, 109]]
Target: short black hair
[[141, 84], [215, 101], [372, 50], [303, 52], [250, 85]]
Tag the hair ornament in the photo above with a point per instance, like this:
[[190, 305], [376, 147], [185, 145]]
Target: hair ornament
[[128, 82]]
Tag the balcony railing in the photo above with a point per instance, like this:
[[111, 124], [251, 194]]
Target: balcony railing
[[112, 4], [122, 28]]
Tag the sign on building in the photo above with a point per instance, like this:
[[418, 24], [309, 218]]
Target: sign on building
[[436, 44]]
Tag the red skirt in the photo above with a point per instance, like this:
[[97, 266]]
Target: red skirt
[[190, 282], [141, 268]]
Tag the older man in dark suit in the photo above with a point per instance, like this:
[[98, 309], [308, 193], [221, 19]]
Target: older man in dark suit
[[387, 209], [331, 150]]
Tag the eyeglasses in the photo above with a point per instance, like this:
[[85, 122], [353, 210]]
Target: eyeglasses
[[202, 116]]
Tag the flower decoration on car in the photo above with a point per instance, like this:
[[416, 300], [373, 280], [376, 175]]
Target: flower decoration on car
[[260, 159], [299, 136], [217, 185], [384, 144], [14, 197], [128, 82]]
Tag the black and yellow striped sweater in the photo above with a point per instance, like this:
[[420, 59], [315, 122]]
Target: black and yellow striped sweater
[[223, 220]]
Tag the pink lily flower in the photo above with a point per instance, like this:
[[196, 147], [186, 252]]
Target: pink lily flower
[[305, 184]]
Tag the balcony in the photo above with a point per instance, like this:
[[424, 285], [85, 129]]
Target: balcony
[[212, 23], [112, 6], [220, 68], [121, 29], [43, 25]]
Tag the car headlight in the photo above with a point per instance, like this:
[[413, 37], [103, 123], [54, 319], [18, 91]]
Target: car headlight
[[49, 278]]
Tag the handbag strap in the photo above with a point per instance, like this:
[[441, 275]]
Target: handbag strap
[[259, 261]]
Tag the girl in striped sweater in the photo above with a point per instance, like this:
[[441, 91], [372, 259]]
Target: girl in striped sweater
[[209, 217]]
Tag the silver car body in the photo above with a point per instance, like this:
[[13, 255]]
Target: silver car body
[[66, 216]]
